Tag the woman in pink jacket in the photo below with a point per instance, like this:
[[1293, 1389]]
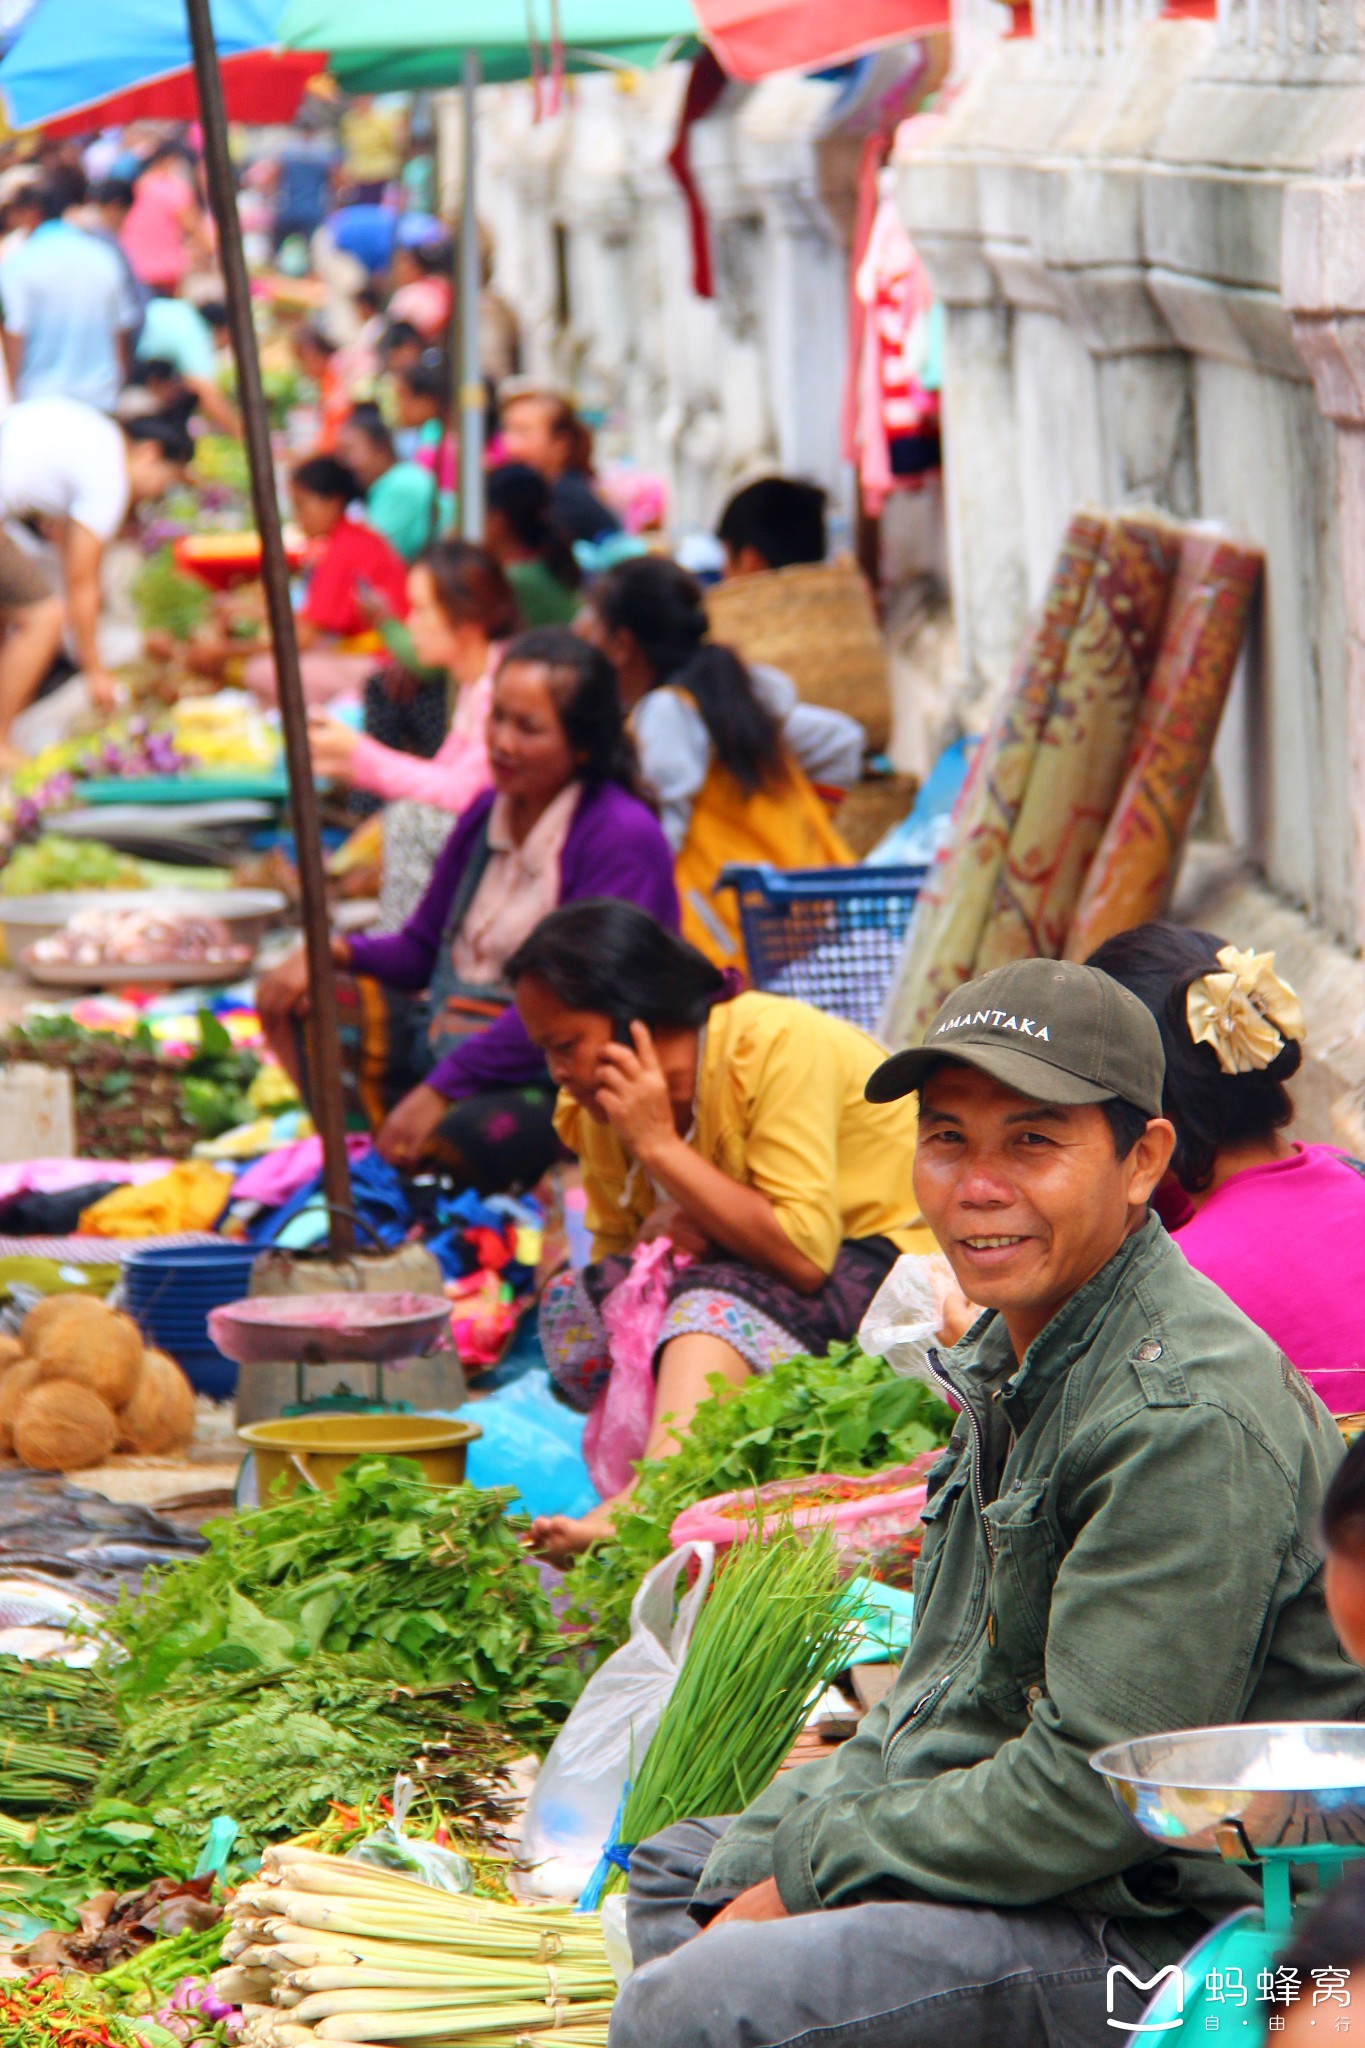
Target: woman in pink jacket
[[461, 611]]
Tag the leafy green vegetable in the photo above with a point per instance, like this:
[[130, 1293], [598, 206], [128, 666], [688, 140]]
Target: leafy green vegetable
[[52, 865], [840, 1413], [276, 1750], [425, 1585], [167, 600], [111, 1845]]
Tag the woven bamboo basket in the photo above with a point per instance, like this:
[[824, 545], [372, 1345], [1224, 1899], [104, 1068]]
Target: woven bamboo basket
[[816, 621]]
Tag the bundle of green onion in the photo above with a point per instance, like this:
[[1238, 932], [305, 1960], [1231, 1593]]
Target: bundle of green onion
[[777, 1626], [322, 1949]]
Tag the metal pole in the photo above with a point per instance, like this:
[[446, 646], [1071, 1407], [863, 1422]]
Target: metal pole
[[472, 397], [321, 1034]]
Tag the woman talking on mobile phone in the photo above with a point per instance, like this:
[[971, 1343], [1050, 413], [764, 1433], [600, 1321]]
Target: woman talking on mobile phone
[[733, 1124]]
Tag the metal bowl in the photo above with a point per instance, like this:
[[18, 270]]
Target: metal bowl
[[1241, 1790], [330, 1329], [247, 912]]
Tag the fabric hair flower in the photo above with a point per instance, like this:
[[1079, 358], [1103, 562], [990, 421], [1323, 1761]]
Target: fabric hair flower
[[1246, 1013]]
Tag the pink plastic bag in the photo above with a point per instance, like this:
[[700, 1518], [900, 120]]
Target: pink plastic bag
[[870, 1516], [617, 1430]]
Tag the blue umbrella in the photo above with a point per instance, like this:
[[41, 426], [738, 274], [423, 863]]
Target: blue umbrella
[[70, 54]]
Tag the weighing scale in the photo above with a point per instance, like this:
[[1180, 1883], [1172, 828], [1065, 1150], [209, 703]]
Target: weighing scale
[[1272, 1797], [332, 1329]]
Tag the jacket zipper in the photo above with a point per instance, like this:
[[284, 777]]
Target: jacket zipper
[[978, 1450], [927, 1699]]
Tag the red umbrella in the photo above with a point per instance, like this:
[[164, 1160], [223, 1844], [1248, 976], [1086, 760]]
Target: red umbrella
[[263, 86], [755, 37]]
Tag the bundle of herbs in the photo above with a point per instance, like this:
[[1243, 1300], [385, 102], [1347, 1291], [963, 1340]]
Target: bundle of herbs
[[841, 1413], [57, 1726], [776, 1628], [277, 1751], [408, 1582]]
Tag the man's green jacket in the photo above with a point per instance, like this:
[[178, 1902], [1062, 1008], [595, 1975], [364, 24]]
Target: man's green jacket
[[1121, 1538]]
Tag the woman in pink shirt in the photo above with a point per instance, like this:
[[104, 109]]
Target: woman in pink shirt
[[460, 611], [1279, 1226], [164, 225]]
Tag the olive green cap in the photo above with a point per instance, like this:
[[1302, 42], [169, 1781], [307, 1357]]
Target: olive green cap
[[1051, 1029]]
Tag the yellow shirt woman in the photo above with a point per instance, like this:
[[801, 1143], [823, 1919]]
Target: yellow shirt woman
[[779, 1107]]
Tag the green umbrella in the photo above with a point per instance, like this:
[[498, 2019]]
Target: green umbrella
[[375, 46]]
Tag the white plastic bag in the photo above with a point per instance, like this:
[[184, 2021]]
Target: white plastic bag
[[906, 1313], [579, 1787], [393, 1849]]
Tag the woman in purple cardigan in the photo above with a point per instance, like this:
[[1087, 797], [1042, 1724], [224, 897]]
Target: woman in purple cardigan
[[432, 1048]]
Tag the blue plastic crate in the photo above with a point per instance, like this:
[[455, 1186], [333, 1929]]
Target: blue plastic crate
[[829, 936]]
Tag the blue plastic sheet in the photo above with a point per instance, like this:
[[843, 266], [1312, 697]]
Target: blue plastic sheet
[[533, 1442]]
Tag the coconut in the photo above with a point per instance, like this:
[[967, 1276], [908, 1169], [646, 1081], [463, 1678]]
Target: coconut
[[45, 1314], [11, 1351], [93, 1346], [160, 1416], [14, 1386], [62, 1426]]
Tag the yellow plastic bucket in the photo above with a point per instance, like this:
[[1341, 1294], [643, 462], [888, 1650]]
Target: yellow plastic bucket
[[313, 1450]]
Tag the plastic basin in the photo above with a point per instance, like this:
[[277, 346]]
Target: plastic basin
[[330, 1329], [315, 1450]]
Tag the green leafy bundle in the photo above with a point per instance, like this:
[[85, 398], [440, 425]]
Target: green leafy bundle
[[840, 1413], [56, 1728], [275, 1751], [410, 1582], [775, 1630]]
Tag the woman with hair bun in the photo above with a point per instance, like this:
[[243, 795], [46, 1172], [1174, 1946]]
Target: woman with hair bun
[[1278, 1225]]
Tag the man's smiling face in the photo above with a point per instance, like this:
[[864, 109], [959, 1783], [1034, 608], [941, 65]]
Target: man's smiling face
[[1027, 1199]]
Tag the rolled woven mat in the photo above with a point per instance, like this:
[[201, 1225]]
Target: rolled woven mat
[[1084, 747], [1133, 871], [951, 915], [817, 622]]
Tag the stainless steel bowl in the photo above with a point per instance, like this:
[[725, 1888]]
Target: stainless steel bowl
[[1238, 1791], [248, 912]]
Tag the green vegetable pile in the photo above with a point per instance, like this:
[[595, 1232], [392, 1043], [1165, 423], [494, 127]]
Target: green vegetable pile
[[132, 1099], [410, 1582], [52, 865], [841, 1413], [167, 600], [319, 1646], [275, 1751]]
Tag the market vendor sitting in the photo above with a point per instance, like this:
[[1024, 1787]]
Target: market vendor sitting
[[431, 1045], [1121, 1538], [735, 1125]]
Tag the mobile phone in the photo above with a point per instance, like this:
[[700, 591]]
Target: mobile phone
[[620, 1032]]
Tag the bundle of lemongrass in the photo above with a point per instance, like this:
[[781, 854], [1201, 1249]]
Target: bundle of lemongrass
[[322, 1949]]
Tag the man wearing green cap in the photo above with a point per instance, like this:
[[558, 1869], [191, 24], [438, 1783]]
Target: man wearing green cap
[[1121, 1538]]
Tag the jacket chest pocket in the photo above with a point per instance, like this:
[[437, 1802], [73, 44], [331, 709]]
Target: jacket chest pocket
[[1023, 1571]]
